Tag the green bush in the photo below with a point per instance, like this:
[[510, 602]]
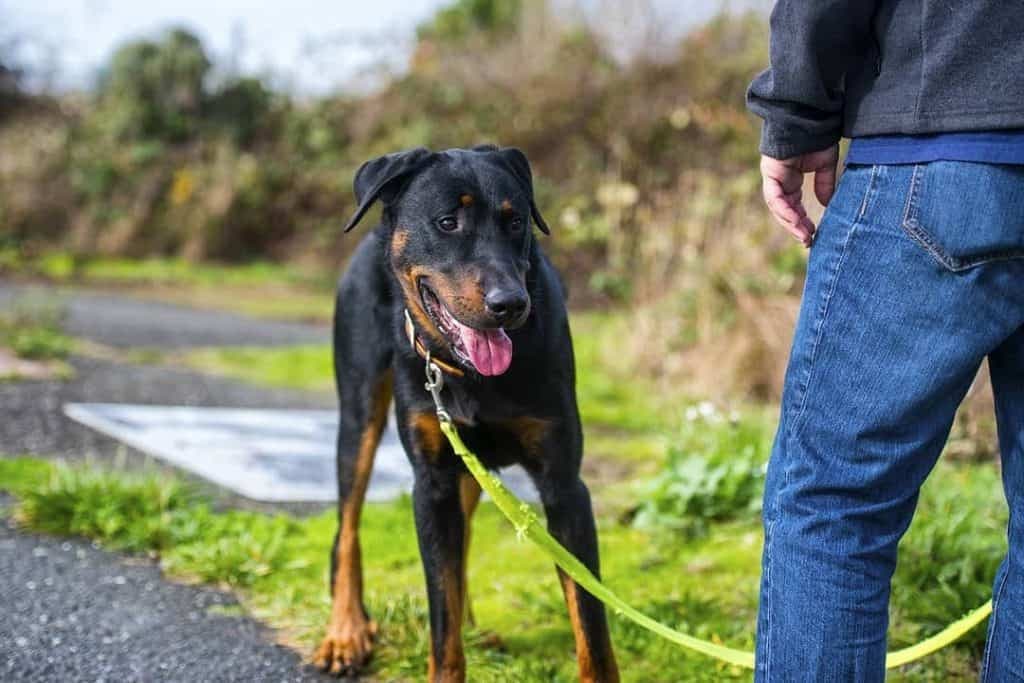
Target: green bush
[[714, 472], [155, 89], [243, 109], [161, 162], [464, 18]]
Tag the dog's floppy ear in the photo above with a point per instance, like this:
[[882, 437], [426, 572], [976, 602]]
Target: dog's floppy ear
[[375, 175], [520, 167]]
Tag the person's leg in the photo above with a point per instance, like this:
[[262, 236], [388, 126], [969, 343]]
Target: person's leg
[[1004, 654], [901, 304]]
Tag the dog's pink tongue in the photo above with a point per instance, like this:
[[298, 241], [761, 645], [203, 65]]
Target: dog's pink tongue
[[490, 351]]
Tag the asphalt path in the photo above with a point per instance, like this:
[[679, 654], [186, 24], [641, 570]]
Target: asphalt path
[[30, 412], [70, 611], [126, 322]]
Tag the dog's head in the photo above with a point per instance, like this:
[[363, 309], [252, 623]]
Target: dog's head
[[460, 231]]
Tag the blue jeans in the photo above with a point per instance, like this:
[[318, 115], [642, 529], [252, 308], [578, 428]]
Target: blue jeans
[[916, 276]]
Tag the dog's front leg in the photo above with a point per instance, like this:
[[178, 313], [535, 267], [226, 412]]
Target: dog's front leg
[[571, 521], [440, 529], [348, 642]]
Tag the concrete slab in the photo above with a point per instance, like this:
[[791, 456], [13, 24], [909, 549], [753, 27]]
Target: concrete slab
[[266, 455]]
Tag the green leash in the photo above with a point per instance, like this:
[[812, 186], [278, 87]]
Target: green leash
[[527, 524]]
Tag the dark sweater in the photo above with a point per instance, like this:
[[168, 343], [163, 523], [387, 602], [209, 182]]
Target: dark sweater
[[870, 67]]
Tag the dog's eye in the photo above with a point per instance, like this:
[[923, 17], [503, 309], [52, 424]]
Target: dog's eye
[[447, 224], [516, 223]]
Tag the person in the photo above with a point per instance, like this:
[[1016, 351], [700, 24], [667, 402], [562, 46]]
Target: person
[[915, 276]]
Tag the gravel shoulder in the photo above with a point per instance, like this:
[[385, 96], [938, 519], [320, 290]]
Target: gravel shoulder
[[73, 612]]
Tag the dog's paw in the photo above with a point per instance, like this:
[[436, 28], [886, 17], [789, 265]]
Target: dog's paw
[[347, 647]]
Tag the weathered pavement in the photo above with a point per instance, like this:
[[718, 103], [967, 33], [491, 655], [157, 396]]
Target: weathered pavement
[[71, 612], [30, 412]]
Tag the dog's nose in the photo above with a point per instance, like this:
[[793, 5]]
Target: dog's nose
[[505, 305]]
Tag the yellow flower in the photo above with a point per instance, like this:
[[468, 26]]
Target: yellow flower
[[182, 186]]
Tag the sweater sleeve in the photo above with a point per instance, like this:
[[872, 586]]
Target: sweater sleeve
[[814, 43]]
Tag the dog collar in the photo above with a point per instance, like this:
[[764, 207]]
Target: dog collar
[[424, 353]]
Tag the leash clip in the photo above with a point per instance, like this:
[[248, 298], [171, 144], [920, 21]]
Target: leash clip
[[435, 382]]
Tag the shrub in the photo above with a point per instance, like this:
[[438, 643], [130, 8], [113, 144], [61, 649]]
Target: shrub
[[715, 471]]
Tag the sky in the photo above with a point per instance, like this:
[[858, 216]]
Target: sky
[[303, 46]]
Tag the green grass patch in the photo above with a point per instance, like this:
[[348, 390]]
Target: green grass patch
[[706, 585], [65, 267], [295, 367], [32, 330], [32, 344], [609, 395], [21, 475], [37, 343], [952, 551]]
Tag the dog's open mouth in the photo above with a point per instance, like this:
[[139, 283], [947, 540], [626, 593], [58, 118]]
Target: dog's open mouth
[[489, 351]]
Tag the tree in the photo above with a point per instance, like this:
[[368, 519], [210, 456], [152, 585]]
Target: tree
[[242, 107], [155, 89], [10, 75], [464, 18]]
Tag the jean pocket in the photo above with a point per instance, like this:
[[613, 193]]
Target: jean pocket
[[966, 214]]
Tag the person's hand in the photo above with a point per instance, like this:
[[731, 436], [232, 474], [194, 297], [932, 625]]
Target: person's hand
[[782, 186]]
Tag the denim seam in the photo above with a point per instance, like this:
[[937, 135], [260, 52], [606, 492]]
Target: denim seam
[[802, 404], [826, 300], [952, 263], [912, 226], [766, 654]]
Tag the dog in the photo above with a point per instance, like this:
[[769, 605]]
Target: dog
[[454, 271]]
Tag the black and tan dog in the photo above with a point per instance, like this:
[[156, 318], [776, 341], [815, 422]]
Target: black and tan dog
[[455, 270]]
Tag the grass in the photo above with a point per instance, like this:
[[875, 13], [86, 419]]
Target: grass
[[295, 367], [609, 395], [61, 266], [31, 331], [705, 584]]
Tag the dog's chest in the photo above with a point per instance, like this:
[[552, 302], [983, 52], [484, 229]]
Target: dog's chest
[[468, 407]]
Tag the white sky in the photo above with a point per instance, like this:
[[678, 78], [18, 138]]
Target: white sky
[[308, 46]]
